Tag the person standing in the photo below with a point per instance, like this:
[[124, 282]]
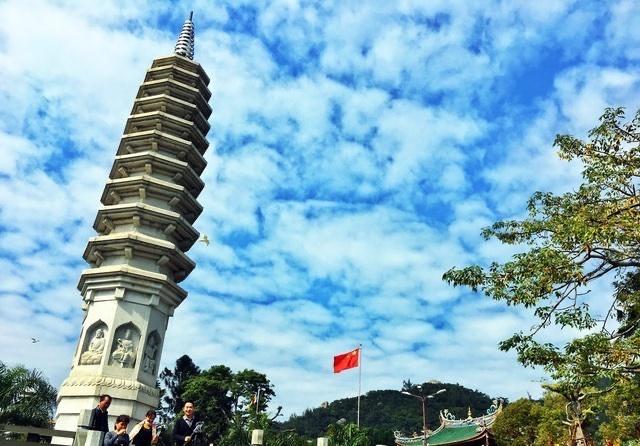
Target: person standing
[[183, 427], [118, 436], [99, 420], [144, 433]]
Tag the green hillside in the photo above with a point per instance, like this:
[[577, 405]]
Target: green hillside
[[384, 411]]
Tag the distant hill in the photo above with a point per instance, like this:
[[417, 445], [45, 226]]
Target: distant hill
[[384, 411]]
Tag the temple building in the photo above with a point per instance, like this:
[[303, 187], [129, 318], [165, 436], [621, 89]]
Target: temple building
[[144, 228], [471, 431]]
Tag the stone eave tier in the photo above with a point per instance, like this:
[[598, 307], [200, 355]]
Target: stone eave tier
[[112, 276], [177, 90], [145, 217], [167, 123], [140, 188], [182, 62], [179, 74], [163, 143], [102, 250], [152, 163], [174, 106]]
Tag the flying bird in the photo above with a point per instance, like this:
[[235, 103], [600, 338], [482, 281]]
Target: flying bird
[[204, 240], [34, 340]]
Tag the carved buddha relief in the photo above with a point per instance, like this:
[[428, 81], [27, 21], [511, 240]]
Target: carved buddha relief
[[94, 344], [125, 346]]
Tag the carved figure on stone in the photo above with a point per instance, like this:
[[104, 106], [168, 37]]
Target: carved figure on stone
[[125, 352], [93, 355], [149, 361]]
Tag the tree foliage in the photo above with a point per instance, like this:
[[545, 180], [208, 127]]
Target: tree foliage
[[527, 422], [347, 434], [208, 390], [517, 425], [621, 412], [575, 241], [284, 438], [26, 397], [227, 402], [173, 382]]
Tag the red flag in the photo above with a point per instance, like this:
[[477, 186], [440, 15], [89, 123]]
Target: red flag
[[346, 361]]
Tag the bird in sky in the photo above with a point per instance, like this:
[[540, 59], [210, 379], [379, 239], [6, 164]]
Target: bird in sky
[[34, 340], [204, 239]]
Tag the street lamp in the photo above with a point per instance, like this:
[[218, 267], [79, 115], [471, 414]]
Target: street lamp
[[422, 397]]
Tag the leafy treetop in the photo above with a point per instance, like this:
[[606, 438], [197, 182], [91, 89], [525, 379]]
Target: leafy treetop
[[575, 240]]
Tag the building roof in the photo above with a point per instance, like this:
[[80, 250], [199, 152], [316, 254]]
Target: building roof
[[453, 435], [448, 435], [454, 431]]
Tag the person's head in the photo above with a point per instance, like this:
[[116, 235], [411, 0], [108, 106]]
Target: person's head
[[150, 415], [105, 402], [122, 422], [189, 408]]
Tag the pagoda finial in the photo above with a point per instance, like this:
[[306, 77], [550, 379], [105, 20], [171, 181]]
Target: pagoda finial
[[185, 43]]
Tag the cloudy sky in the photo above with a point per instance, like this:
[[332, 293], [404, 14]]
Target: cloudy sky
[[357, 149]]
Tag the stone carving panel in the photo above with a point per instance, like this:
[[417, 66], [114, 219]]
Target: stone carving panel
[[151, 353], [104, 381], [125, 346], [94, 344]]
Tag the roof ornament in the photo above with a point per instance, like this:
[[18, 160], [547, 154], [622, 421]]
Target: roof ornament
[[185, 43]]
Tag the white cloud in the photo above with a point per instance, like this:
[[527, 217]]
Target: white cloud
[[357, 150]]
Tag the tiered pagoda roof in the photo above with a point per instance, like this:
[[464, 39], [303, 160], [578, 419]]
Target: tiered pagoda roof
[[150, 199], [470, 431]]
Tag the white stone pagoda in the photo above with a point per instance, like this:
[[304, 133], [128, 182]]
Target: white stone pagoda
[[144, 229]]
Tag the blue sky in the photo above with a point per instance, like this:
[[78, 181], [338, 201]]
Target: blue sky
[[357, 149]]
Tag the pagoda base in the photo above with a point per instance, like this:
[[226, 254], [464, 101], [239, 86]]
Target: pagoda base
[[77, 396]]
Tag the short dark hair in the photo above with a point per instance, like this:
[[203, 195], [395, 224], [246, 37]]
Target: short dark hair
[[150, 412], [189, 401], [123, 418], [104, 397]]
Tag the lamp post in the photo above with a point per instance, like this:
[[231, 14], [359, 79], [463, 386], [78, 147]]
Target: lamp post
[[422, 397]]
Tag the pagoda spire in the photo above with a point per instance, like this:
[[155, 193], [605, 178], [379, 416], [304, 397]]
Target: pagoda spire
[[185, 43]]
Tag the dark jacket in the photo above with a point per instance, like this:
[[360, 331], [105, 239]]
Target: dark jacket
[[181, 429], [113, 439], [99, 420]]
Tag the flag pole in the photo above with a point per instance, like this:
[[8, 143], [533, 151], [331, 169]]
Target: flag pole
[[359, 380]]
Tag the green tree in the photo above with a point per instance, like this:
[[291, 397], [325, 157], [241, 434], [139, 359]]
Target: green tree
[[26, 397], [173, 382], [211, 392], [552, 427], [226, 402], [347, 434], [621, 409], [527, 422], [574, 241], [237, 433], [284, 438], [251, 389], [517, 425]]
